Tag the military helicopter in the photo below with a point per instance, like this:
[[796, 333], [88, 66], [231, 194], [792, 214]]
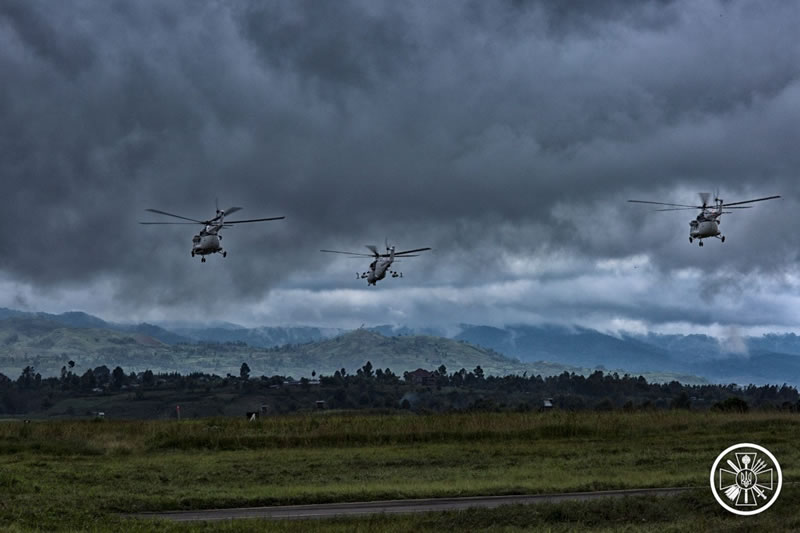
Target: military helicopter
[[707, 223], [207, 241], [381, 263]]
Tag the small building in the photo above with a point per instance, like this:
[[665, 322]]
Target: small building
[[547, 404], [320, 404], [420, 377]]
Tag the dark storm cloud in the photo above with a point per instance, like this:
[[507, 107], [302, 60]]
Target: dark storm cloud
[[490, 131], [69, 53]]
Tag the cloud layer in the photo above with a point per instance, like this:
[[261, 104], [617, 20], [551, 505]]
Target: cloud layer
[[506, 135]]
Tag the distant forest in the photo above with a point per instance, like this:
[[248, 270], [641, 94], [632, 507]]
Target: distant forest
[[150, 395]]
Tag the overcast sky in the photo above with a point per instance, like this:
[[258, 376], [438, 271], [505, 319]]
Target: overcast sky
[[506, 135]]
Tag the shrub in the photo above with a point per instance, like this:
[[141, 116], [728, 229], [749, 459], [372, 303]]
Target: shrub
[[732, 405]]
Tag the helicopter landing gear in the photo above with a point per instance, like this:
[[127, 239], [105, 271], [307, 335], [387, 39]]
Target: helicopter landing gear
[[192, 253], [202, 259], [701, 243], [224, 254], [690, 240], [722, 238]]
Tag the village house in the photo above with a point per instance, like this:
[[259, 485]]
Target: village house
[[420, 377]]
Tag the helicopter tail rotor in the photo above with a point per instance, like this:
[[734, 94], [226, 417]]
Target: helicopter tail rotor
[[229, 210], [224, 212]]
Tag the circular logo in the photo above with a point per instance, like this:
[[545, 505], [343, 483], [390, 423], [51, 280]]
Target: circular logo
[[746, 479]]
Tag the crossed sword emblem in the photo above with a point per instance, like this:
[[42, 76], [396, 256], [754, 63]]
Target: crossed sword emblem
[[745, 479]]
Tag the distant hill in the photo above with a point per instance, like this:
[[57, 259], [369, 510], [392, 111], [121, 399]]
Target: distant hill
[[268, 337], [757, 359], [77, 319], [402, 353], [691, 347], [264, 337], [384, 346], [48, 345], [768, 359], [570, 346], [222, 347], [758, 368]]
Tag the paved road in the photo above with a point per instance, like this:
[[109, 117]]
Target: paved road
[[328, 510]]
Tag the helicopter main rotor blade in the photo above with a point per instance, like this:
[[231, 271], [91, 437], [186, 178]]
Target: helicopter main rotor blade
[[750, 201], [372, 248], [252, 220], [711, 207], [189, 223], [346, 253], [172, 215], [662, 203], [411, 251], [231, 210]]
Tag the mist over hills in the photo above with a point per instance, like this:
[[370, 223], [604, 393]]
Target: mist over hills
[[773, 358], [768, 359], [578, 346]]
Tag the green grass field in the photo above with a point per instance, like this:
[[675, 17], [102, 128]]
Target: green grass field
[[62, 475]]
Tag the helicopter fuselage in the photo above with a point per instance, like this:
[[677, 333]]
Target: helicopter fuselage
[[701, 229], [207, 242], [706, 225], [377, 270]]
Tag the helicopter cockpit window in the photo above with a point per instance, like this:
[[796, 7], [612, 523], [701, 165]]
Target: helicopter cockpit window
[[196, 239]]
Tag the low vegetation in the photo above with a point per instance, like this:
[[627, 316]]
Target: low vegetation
[[57, 475]]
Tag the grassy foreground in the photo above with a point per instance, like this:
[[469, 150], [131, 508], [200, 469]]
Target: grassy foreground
[[62, 475]]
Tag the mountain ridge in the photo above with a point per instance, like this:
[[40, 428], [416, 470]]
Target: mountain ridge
[[772, 358], [48, 345]]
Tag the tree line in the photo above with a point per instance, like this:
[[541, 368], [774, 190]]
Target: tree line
[[368, 387]]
